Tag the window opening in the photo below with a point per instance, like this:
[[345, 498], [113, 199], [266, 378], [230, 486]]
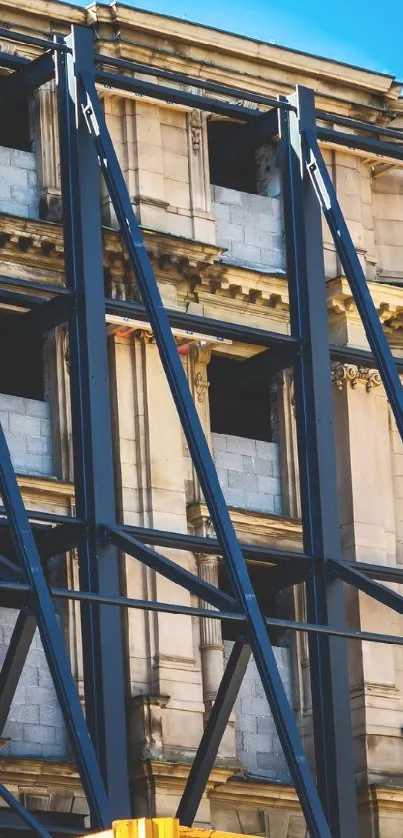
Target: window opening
[[231, 173], [23, 373], [15, 125], [239, 401]]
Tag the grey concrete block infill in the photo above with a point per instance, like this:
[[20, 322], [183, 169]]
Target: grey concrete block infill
[[249, 472]]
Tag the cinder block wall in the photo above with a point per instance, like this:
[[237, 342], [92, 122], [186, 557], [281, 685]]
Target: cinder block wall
[[27, 426], [250, 227], [257, 744], [18, 183], [35, 726], [249, 472]]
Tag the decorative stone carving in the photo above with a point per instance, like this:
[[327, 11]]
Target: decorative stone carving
[[195, 122], [211, 644], [200, 356], [344, 374]]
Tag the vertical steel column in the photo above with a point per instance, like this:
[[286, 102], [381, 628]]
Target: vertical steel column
[[317, 466], [104, 674], [206, 471]]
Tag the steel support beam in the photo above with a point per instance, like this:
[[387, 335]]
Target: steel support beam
[[57, 824], [104, 673], [317, 469], [346, 251], [14, 661], [26, 817], [369, 144], [214, 731], [204, 465], [51, 637], [41, 319], [182, 78], [175, 95], [171, 570], [22, 83], [360, 581]]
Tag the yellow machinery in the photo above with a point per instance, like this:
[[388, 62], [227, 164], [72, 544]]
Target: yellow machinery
[[157, 828]]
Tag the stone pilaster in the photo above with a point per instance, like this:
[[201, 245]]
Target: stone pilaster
[[47, 151], [163, 649], [211, 643], [365, 483]]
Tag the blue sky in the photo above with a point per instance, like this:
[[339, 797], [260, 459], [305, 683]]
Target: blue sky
[[355, 31]]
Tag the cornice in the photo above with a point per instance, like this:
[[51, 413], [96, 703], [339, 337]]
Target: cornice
[[173, 775], [43, 492], [388, 300], [198, 50], [17, 771], [387, 799], [192, 267], [251, 527], [219, 55]]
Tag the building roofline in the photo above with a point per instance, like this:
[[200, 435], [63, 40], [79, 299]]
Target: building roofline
[[256, 41]]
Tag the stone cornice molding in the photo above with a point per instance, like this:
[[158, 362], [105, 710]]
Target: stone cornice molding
[[251, 527], [186, 267], [344, 375], [388, 300], [261, 67]]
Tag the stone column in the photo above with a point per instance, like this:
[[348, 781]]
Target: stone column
[[211, 643], [163, 649], [47, 153], [365, 482]]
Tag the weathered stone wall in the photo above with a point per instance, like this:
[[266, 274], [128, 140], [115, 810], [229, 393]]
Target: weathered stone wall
[[35, 726], [249, 472], [250, 228], [27, 426], [257, 744], [18, 183]]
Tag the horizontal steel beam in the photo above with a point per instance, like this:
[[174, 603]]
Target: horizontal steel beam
[[24, 81], [368, 586], [369, 144], [22, 38], [171, 570], [359, 125], [39, 320], [192, 81], [21, 590], [175, 96], [57, 824]]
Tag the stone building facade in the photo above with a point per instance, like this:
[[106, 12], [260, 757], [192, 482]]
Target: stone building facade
[[215, 238]]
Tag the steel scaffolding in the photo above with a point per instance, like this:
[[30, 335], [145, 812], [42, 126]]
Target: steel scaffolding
[[99, 739]]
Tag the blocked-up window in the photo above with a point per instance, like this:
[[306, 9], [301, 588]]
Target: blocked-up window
[[245, 454]]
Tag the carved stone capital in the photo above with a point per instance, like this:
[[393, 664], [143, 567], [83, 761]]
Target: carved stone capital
[[350, 374], [195, 122]]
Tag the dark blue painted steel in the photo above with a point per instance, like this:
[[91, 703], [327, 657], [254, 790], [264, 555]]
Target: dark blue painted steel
[[51, 637], [361, 581], [317, 470], [20, 810], [104, 670], [352, 267], [171, 570], [213, 732], [235, 564], [13, 664]]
